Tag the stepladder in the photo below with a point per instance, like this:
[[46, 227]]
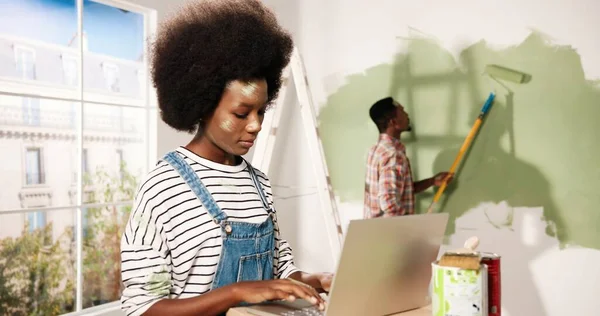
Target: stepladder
[[265, 145]]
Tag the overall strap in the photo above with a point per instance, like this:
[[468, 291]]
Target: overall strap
[[193, 181], [259, 188], [268, 209]]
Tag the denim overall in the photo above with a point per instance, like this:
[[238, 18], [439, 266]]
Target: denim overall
[[248, 248]]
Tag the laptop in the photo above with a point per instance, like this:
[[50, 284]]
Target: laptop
[[384, 268]]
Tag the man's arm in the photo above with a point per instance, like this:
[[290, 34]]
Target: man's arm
[[437, 180], [423, 185]]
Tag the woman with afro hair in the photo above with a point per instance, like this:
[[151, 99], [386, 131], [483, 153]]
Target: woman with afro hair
[[203, 235]]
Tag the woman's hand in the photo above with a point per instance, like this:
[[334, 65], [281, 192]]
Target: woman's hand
[[254, 292], [320, 281], [325, 280]]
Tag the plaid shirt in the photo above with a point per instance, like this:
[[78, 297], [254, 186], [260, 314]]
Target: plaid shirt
[[388, 185]]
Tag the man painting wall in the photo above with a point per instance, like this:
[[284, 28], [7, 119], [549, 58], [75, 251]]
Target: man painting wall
[[389, 187]]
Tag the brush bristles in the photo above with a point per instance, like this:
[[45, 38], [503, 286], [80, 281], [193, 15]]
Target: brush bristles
[[467, 261]]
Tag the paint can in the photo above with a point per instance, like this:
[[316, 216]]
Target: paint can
[[492, 261], [458, 291]]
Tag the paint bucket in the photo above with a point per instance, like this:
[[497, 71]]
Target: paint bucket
[[492, 261], [459, 292]]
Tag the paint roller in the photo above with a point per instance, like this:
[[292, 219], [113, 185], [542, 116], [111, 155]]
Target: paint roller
[[496, 72], [499, 72]]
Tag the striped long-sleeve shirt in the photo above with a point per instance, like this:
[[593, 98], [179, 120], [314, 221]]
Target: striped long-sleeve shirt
[[171, 247]]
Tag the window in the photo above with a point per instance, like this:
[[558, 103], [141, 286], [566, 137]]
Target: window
[[120, 163], [141, 78], [116, 117], [34, 170], [84, 210], [84, 161], [36, 220], [111, 76], [72, 115], [69, 65], [31, 111], [55, 120], [25, 62], [84, 223]]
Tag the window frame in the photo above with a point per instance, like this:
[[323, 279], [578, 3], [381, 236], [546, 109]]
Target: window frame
[[18, 87]]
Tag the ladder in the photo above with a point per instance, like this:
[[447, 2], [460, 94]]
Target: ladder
[[265, 143]]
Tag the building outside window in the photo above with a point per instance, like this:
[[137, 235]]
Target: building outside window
[[84, 161], [65, 187], [34, 169], [36, 220], [69, 65], [111, 76], [31, 111], [84, 210], [141, 81], [120, 163], [25, 62], [34, 175]]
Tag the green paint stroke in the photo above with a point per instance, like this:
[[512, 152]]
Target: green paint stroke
[[159, 283], [538, 146]]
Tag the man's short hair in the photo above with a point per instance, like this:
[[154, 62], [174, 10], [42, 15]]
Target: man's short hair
[[382, 112]]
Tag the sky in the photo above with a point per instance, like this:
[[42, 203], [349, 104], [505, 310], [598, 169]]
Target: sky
[[109, 30]]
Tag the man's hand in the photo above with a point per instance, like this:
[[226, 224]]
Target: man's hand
[[438, 179]]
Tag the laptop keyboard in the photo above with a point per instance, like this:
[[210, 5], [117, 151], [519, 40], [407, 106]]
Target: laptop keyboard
[[307, 311]]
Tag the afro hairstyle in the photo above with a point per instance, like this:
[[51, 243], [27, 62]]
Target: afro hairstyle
[[382, 112], [208, 44]]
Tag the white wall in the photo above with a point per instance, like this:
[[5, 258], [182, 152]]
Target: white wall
[[348, 36]]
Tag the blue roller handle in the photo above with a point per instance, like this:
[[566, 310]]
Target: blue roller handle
[[488, 104]]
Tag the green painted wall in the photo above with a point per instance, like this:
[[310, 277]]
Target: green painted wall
[[539, 145]]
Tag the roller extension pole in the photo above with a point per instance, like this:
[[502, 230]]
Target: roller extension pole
[[463, 149]]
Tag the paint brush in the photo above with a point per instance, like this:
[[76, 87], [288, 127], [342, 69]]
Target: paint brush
[[464, 258]]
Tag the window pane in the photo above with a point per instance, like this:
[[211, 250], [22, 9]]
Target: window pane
[[37, 259], [38, 46], [101, 253], [38, 137], [114, 54], [33, 166], [116, 151]]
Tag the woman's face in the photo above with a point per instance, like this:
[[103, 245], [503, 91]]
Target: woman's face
[[235, 123]]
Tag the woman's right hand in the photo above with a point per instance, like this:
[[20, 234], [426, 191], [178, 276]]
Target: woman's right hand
[[255, 292]]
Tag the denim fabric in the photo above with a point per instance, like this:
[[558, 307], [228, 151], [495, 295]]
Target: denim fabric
[[248, 248]]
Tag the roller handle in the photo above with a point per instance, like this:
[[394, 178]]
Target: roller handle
[[461, 153], [463, 149]]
